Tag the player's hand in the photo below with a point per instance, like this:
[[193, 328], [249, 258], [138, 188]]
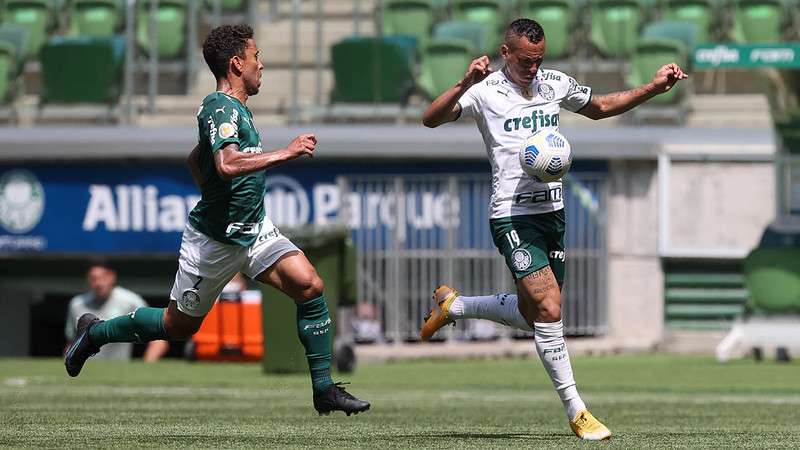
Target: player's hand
[[478, 70], [303, 145], [667, 76]]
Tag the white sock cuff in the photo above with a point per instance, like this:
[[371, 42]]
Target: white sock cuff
[[549, 329]]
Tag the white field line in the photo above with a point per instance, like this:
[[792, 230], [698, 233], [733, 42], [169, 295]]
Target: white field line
[[396, 396]]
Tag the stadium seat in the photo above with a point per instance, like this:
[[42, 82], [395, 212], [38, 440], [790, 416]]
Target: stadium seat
[[558, 18], [702, 14], [12, 45], [37, 16], [64, 75], [18, 36], [97, 18], [615, 26], [489, 13], [371, 70], [758, 21], [475, 33], [227, 5], [409, 17], [661, 43], [8, 64], [444, 61], [171, 20], [772, 277]]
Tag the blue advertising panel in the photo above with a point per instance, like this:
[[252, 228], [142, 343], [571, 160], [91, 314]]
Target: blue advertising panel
[[142, 208]]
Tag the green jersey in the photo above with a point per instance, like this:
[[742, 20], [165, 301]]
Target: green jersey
[[230, 212]]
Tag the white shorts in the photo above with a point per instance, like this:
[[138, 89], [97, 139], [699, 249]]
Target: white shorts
[[205, 265]]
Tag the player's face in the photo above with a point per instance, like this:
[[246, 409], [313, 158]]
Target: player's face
[[523, 59], [101, 281], [252, 68]]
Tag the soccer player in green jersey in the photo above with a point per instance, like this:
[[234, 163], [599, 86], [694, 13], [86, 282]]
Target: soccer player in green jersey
[[527, 216], [228, 231]]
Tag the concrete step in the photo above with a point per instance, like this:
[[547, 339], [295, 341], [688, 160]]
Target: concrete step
[[330, 8], [276, 44], [746, 110]]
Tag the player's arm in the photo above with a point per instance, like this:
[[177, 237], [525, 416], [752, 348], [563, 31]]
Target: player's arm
[[232, 163], [446, 108], [193, 160], [602, 106]]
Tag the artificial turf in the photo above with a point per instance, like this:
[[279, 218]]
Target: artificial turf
[[649, 401]]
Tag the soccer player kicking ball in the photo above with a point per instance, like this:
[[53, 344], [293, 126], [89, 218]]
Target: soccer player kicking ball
[[228, 231], [527, 217]]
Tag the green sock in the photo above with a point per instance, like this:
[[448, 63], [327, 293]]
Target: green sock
[[314, 329], [142, 325]]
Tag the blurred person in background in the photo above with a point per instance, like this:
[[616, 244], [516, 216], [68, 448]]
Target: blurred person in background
[[106, 300]]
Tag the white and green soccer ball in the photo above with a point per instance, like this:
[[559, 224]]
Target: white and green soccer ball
[[546, 155]]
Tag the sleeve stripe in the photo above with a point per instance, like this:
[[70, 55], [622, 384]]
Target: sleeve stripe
[[588, 99]]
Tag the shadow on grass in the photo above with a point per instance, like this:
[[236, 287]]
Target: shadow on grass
[[498, 436]]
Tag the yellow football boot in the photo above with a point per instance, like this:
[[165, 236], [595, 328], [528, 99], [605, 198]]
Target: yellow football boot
[[588, 428], [443, 297]]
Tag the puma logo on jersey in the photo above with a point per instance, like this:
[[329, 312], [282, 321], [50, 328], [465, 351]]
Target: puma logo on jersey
[[222, 110], [504, 93]]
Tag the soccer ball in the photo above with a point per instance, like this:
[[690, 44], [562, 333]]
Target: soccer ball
[[546, 156]]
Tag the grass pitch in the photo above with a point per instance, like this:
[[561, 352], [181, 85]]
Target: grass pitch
[[654, 401]]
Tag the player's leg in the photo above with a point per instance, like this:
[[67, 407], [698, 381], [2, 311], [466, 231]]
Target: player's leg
[[540, 303], [204, 267], [279, 263], [521, 240]]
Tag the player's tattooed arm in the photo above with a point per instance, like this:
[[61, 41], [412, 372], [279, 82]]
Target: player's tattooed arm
[[232, 163], [446, 108], [194, 165], [602, 106]]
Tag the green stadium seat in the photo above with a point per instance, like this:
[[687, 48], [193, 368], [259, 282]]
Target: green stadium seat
[[97, 18], [758, 21], [474, 33], [17, 36], [489, 13], [661, 43], [371, 70], [558, 18], [444, 61], [772, 277], [409, 17], [8, 70], [227, 5], [615, 26], [702, 14], [684, 32], [64, 75], [37, 16], [171, 21]]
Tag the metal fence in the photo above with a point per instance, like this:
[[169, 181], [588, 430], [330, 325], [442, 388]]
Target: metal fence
[[413, 233]]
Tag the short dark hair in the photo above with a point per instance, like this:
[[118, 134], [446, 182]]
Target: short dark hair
[[99, 261], [222, 44], [525, 27]]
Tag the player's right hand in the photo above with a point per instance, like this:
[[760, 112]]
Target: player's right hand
[[478, 70], [303, 145]]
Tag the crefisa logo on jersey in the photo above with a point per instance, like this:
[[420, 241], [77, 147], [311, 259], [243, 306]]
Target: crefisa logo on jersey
[[21, 201]]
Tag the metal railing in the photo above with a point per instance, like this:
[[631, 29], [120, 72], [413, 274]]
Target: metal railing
[[413, 233]]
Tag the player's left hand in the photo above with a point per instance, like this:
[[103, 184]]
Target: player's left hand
[[667, 76]]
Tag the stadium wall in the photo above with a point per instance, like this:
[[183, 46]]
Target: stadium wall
[[673, 193]]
